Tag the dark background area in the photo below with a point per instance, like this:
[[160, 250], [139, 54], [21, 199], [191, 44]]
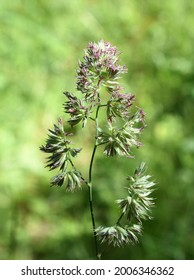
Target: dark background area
[[41, 42]]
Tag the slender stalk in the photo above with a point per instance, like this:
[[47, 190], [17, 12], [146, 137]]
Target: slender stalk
[[89, 184], [98, 255], [91, 164], [119, 219], [91, 204]]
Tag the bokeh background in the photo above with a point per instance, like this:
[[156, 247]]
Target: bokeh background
[[40, 44]]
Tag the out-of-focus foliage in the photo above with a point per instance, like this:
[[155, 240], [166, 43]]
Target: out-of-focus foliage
[[41, 42]]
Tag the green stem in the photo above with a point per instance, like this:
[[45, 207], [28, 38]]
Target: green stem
[[91, 203], [91, 164], [119, 219], [98, 255]]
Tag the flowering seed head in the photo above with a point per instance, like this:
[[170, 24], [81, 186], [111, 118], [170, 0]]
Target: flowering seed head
[[99, 66]]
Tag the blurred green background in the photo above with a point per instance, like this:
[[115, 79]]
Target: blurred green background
[[41, 42]]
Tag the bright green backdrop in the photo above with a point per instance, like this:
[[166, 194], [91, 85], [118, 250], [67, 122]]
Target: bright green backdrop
[[40, 44]]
